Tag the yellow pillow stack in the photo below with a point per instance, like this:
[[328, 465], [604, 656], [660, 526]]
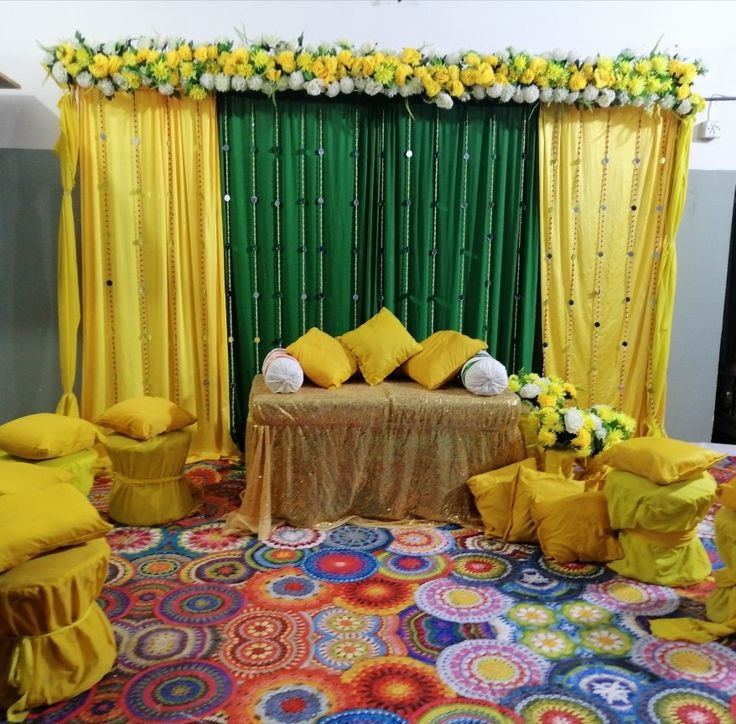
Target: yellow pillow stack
[[380, 345], [19, 477], [324, 360], [46, 435], [442, 357]]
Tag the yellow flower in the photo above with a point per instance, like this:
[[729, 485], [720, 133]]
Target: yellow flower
[[73, 69], [456, 88], [272, 74], [186, 70], [549, 417], [653, 84], [65, 53], [520, 62], [115, 63], [212, 52], [471, 59], [197, 92], [230, 67], [172, 58], [287, 61], [675, 67], [577, 81], [603, 78], [83, 57], [625, 66], [410, 56], [614, 438], [485, 75], [185, 53], [304, 60], [555, 389], [689, 72], [100, 66], [200, 54], [659, 64], [546, 437], [454, 72], [384, 74], [605, 63], [240, 55], [132, 79], [431, 86], [260, 59], [159, 70], [469, 76], [514, 384], [440, 74], [643, 67], [223, 58], [492, 60], [556, 74], [345, 57], [244, 69], [527, 76], [698, 103], [546, 400], [130, 57], [637, 85], [402, 73], [538, 65], [583, 439]]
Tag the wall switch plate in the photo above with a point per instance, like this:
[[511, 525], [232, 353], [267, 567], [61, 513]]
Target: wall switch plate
[[708, 130]]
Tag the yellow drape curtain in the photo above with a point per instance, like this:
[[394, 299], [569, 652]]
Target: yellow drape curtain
[[612, 186], [67, 149], [153, 271]]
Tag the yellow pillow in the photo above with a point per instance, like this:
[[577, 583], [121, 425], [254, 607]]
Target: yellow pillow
[[576, 528], [442, 357], [47, 435], [145, 417], [494, 493], [660, 459], [40, 521], [17, 477], [381, 344], [532, 487], [324, 360]]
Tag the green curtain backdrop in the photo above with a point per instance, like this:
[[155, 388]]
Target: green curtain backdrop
[[335, 208]]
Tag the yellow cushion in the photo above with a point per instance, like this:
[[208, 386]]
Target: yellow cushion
[[660, 459], [442, 357], [17, 477], [39, 521], [533, 487], [324, 360], [381, 344], [47, 435], [494, 493], [576, 528], [145, 417]]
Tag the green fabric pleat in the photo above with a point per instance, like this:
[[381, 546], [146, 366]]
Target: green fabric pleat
[[335, 208]]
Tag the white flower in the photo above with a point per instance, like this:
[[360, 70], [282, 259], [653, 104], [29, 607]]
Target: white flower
[[601, 433], [207, 81], [238, 83], [606, 97], [572, 56], [366, 49], [597, 422], [504, 56], [443, 100], [108, 48], [590, 93], [494, 91], [589, 60], [222, 82], [106, 87], [255, 83], [161, 43], [531, 94], [120, 81], [559, 54], [392, 90], [267, 41], [545, 95], [360, 84], [282, 83], [84, 79], [638, 102], [147, 80], [572, 96], [650, 101], [507, 93], [573, 420], [623, 97], [479, 92], [333, 89], [453, 58], [166, 89], [530, 391], [143, 42], [685, 107], [668, 102], [58, 71], [314, 87], [372, 87], [559, 95], [292, 45], [296, 80], [48, 59], [347, 85], [410, 88]]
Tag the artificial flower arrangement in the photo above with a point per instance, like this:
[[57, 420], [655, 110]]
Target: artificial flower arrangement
[[555, 423], [176, 66]]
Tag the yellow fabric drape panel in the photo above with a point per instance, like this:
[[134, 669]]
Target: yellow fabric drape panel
[[606, 201], [67, 149], [153, 270], [667, 279]]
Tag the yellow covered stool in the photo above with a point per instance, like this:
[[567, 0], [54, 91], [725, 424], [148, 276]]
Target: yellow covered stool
[[149, 487], [720, 606], [81, 465], [55, 640], [657, 525]]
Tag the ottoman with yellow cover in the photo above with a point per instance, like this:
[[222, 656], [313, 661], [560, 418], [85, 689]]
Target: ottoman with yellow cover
[[149, 487], [657, 525], [720, 606]]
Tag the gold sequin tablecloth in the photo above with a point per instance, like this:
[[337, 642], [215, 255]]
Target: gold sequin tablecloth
[[387, 453]]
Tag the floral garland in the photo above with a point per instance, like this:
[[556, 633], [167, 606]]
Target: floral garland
[[268, 65]]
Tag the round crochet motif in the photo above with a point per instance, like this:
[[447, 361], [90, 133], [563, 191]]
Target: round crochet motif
[[363, 716], [420, 541], [340, 565], [463, 603], [683, 701], [264, 558], [557, 705], [147, 645], [134, 541], [413, 568], [479, 567], [628, 596], [294, 538], [200, 604], [209, 538], [463, 711], [226, 567], [358, 538]]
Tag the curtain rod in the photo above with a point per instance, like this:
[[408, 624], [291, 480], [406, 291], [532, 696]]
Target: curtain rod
[[720, 98]]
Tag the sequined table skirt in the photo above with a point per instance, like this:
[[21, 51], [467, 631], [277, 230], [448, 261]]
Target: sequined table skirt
[[386, 453]]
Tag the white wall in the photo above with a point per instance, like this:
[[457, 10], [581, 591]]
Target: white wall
[[694, 29]]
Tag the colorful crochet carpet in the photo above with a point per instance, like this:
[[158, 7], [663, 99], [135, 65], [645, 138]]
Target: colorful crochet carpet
[[371, 626]]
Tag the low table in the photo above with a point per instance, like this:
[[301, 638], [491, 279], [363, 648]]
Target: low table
[[392, 452]]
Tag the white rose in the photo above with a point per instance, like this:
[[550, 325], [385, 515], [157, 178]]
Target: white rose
[[347, 85], [166, 89], [573, 420], [296, 80], [685, 107], [531, 94], [207, 81], [443, 100], [530, 391], [255, 83], [314, 87], [222, 82], [333, 89], [590, 93], [606, 97], [84, 79], [494, 91], [507, 93], [545, 95], [238, 83], [59, 72]]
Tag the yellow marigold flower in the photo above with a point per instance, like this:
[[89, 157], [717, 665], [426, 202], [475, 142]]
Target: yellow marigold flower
[[541, 81], [200, 53], [577, 81], [304, 60], [287, 61], [546, 437], [152, 55], [556, 74], [272, 74], [653, 84], [223, 58], [186, 70], [546, 400], [244, 69], [368, 65], [471, 59], [456, 88], [83, 57], [115, 63], [520, 62], [159, 70], [402, 73], [185, 53], [527, 76], [538, 65], [683, 91], [689, 72], [643, 67], [637, 85], [132, 79], [410, 56], [675, 67], [197, 93], [582, 439], [172, 58], [130, 57], [345, 57], [602, 78], [659, 64], [549, 417], [555, 388], [100, 66]]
